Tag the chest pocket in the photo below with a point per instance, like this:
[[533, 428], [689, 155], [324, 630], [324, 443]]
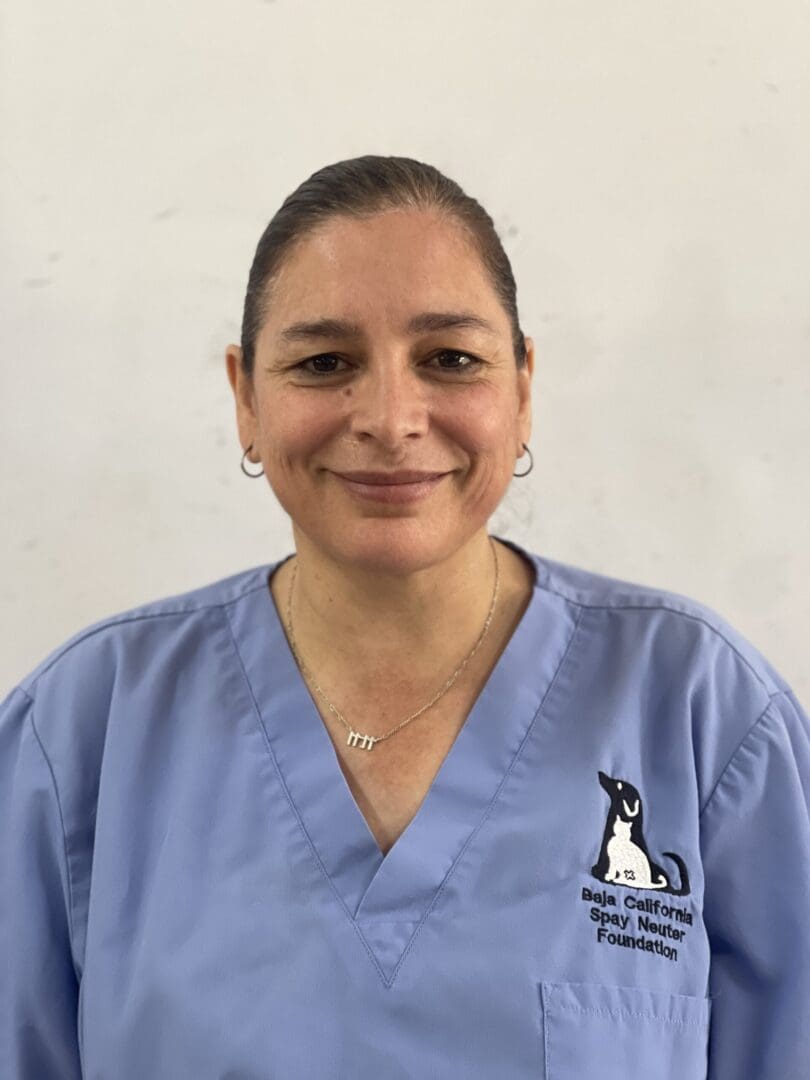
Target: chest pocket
[[595, 1032]]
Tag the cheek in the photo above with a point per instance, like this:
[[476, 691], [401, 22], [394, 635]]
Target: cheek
[[482, 424], [297, 426]]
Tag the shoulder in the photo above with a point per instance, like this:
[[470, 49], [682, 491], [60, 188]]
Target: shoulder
[[112, 662], [129, 668], [190, 610], [65, 722], [684, 665], [663, 616]]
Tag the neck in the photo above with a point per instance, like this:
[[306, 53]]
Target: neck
[[348, 617]]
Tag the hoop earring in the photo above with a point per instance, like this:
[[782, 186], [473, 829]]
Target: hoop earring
[[252, 475], [531, 462]]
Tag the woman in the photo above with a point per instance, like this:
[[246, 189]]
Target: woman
[[413, 801]]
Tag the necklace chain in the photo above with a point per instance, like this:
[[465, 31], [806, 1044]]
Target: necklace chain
[[357, 738]]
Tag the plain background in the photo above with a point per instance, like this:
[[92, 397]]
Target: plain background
[[647, 167]]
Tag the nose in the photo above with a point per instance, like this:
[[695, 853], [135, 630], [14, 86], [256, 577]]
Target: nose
[[389, 402]]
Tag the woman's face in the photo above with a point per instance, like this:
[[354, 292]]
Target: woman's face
[[385, 392]]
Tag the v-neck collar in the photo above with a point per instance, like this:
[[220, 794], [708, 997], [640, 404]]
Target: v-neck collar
[[388, 895]]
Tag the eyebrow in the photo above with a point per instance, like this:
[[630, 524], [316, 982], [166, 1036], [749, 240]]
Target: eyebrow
[[419, 324]]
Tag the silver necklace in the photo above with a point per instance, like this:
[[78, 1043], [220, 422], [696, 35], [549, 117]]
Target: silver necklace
[[357, 738]]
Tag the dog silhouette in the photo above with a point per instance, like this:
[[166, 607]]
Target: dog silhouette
[[624, 858]]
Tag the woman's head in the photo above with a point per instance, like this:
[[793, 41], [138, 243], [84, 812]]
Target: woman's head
[[358, 188], [380, 252]]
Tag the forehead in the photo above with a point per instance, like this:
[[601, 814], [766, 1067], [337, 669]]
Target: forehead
[[387, 267]]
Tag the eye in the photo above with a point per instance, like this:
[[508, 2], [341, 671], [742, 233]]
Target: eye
[[472, 362], [619, 785], [311, 360]]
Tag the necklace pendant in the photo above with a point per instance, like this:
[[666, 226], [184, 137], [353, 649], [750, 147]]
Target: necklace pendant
[[364, 742]]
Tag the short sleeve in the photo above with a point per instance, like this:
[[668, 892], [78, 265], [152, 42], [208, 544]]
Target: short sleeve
[[38, 984], [755, 843]]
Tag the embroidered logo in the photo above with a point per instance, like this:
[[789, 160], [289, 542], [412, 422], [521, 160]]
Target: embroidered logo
[[624, 858]]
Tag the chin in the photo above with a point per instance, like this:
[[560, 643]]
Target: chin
[[395, 546]]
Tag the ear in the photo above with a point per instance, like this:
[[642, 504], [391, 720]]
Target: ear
[[244, 398], [524, 377]]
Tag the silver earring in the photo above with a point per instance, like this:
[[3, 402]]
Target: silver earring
[[252, 475], [531, 462]]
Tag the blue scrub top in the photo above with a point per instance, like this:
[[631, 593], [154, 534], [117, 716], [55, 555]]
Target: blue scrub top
[[609, 876]]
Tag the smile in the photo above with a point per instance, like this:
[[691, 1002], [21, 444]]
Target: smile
[[392, 493]]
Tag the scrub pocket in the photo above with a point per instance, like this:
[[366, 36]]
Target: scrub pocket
[[595, 1032]]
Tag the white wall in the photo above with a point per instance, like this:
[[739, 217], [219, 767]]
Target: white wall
[[648, 168]]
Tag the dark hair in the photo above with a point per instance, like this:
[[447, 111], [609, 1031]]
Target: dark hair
[[361, 187]]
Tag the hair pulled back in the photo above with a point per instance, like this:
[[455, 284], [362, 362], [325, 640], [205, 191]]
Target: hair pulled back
[[360, 187]]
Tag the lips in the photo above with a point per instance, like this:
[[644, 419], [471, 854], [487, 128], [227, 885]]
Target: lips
[[407, 476], [394, 490]]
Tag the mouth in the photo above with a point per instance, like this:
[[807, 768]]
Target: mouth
[[394, 490], [387, 479]]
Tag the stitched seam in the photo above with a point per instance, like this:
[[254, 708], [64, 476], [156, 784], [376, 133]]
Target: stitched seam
[[71, 925], [736, 750], [545, 999], [657, 606], [123, 619], [630, 1012], [291, 803], [492, 803]]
